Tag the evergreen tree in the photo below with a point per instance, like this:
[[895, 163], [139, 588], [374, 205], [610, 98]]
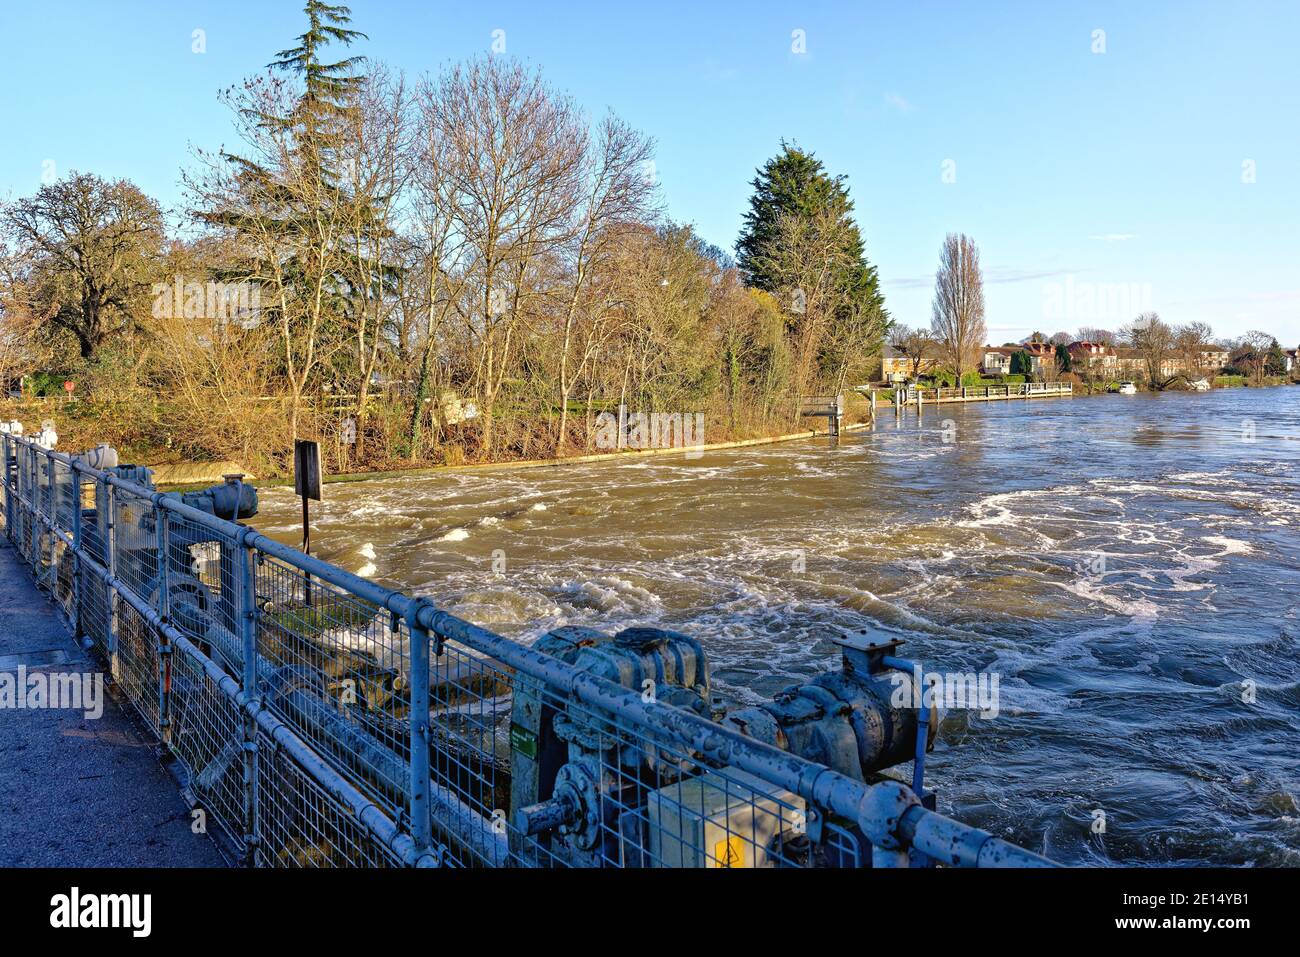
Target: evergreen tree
[[1276, 362], [1062, 357], [289, 204], [796, 182], [323, 110]]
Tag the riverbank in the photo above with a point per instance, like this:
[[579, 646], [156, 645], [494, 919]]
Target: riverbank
[[78, 428], [186, 476], [622, 455]]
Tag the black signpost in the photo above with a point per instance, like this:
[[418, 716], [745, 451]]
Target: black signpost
[[306, 483]]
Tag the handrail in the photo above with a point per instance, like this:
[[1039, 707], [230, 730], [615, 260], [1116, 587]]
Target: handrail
[[889, 814]]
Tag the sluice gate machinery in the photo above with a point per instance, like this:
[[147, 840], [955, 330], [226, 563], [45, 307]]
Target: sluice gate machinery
[[323, 720]]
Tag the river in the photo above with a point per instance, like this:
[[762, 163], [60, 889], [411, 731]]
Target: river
[[1129, 567]]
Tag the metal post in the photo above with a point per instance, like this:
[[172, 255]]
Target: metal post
[[110, 555], [419, 721], [161, 542], [4, 481], [252, 688], [49, 511], [76, 553]]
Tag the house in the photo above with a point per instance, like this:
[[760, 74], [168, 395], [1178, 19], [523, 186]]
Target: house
[[1042, 357], [997, 359], [1092, 359], [896, 366], [1214, 358], [1131, 363]]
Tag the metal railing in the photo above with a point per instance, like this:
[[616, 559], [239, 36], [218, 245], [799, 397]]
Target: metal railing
[[979, 392], [324, 720]]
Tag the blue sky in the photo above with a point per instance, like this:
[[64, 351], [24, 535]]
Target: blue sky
[[1162, 172]]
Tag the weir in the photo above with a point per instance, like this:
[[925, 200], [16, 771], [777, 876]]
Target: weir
[[323, 720]]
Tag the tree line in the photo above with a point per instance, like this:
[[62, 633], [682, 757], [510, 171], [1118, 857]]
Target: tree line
[[463, 266], [1166, 352]]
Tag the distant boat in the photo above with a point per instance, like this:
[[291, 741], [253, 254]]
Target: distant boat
[[1127, 388], [1200, 385]]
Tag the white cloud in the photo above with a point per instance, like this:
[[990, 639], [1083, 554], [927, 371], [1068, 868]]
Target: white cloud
[[898, 103]]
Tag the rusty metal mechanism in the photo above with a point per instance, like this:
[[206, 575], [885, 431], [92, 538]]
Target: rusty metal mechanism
[[580, 794]]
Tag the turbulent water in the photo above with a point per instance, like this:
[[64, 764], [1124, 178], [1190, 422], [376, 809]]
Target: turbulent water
[[1128, 566]]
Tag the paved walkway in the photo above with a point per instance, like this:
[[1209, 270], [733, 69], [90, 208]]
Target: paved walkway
[[78, 792]]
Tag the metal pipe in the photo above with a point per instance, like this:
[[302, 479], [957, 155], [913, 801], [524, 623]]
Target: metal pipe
[[419, 730]]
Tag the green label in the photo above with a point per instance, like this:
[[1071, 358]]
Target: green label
[[523, 741]]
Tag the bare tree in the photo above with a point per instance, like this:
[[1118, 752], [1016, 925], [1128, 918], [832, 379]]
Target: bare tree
[[616, 197], [374, 156], [916, 343], [515, 163], [1191, 342], [1153, 338], [1102, 336], [958, 309], [1256, 344]]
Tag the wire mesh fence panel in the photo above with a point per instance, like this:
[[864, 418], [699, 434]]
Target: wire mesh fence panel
[[64, 575], [470, 701], [93, 611], [41, 485], [337, 669], [64, 494], [204, 572], [302, 825], [135, 545], [207, 736], [135, 666]]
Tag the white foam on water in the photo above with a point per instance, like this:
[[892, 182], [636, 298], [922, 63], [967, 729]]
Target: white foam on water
[[1230, 546], [455, 535]]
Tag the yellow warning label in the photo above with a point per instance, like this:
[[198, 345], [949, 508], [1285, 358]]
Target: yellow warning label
[[729, 853]]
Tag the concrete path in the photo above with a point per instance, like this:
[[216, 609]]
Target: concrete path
[[75, 791]]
